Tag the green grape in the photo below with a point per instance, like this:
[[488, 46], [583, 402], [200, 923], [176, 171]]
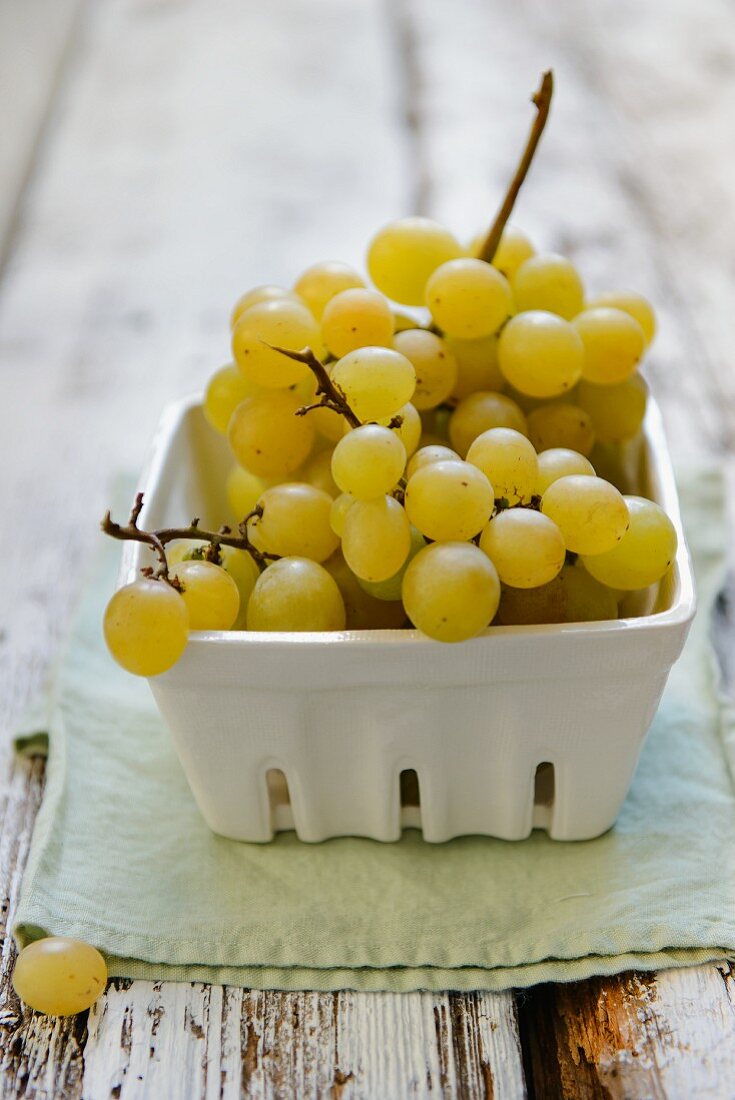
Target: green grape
[[616, 412], [225, 390], [390, 590], [403, 255], [477, 366], [241, 566], [146, 627], [643, 554], [548, 282], [409, 430], [508, 461], [376, 538], [317, 471], [368, 462], [451, 591], [321, 282], [282, 323], [449, 501], [375, 381], [294, 523], [526, 547], [296, 594], [59, 976], [243, 489], [585, 599], [435, 452], [561, 424], [330, 425], [256, 296], [357, 318], [613, 345], [478, 413], [363, 611], [560, 462], [532, 606], [339, 509], [434, 363], [514, 249], [267, 437], [540, 354], [636, 305], [211, 596], [468, 298], [590, 513]]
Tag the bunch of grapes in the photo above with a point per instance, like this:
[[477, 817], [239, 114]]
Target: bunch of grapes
[[419, 451]]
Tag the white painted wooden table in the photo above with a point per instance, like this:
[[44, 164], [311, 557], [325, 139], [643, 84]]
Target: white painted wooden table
[[158, 157]]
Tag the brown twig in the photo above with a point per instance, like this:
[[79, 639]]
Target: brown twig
[[542, 102], [159, 538], [332, 396]]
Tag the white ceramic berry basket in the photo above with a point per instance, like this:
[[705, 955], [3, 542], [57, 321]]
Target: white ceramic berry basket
[[520, 728]]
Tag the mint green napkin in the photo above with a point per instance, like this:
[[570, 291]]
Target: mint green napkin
[[121, 858]]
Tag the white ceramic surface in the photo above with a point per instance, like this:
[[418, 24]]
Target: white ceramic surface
[[342, 715]]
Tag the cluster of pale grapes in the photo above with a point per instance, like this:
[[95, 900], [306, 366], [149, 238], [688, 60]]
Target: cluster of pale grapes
[[447, 482]]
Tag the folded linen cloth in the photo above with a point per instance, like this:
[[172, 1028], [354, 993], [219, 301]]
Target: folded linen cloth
[[121, 858]]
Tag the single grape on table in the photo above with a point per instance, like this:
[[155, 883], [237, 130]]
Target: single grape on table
[[415, 444]]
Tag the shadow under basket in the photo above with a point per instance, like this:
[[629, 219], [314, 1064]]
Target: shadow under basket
[[364, 733]]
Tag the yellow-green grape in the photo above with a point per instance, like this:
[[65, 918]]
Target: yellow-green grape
[[403, 255], [294, 523], [477, 366], [616, 412], [357, 319], [468, 298], [561, 424], [540, 354], [242, 489], [451, 591], [390, 590], [59, 976], [146, 627], [337, 512], [244, 571], [526, 547], [225, 390], [402, 321], [513, 250], [363, 611], [329, 424], [639, 308], [211, 596], [585, 599], [296, 594], [376, 538], [644, 553], [282, 323], [449, 501], [321, 282], [368, 462], [478, 413], [409, 430], [509, 462], [434, 363], [613, 344], [561, 462], [548, 282], [317, 471], [257, 295], [532, 606], [590, 512], [435, 452], [375, 381], [267, 437]]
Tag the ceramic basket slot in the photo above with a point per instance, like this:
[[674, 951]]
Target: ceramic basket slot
[[368, 732]]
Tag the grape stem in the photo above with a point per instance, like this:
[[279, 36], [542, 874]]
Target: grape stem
[[158, 539], [542, 102], [331, 395]]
